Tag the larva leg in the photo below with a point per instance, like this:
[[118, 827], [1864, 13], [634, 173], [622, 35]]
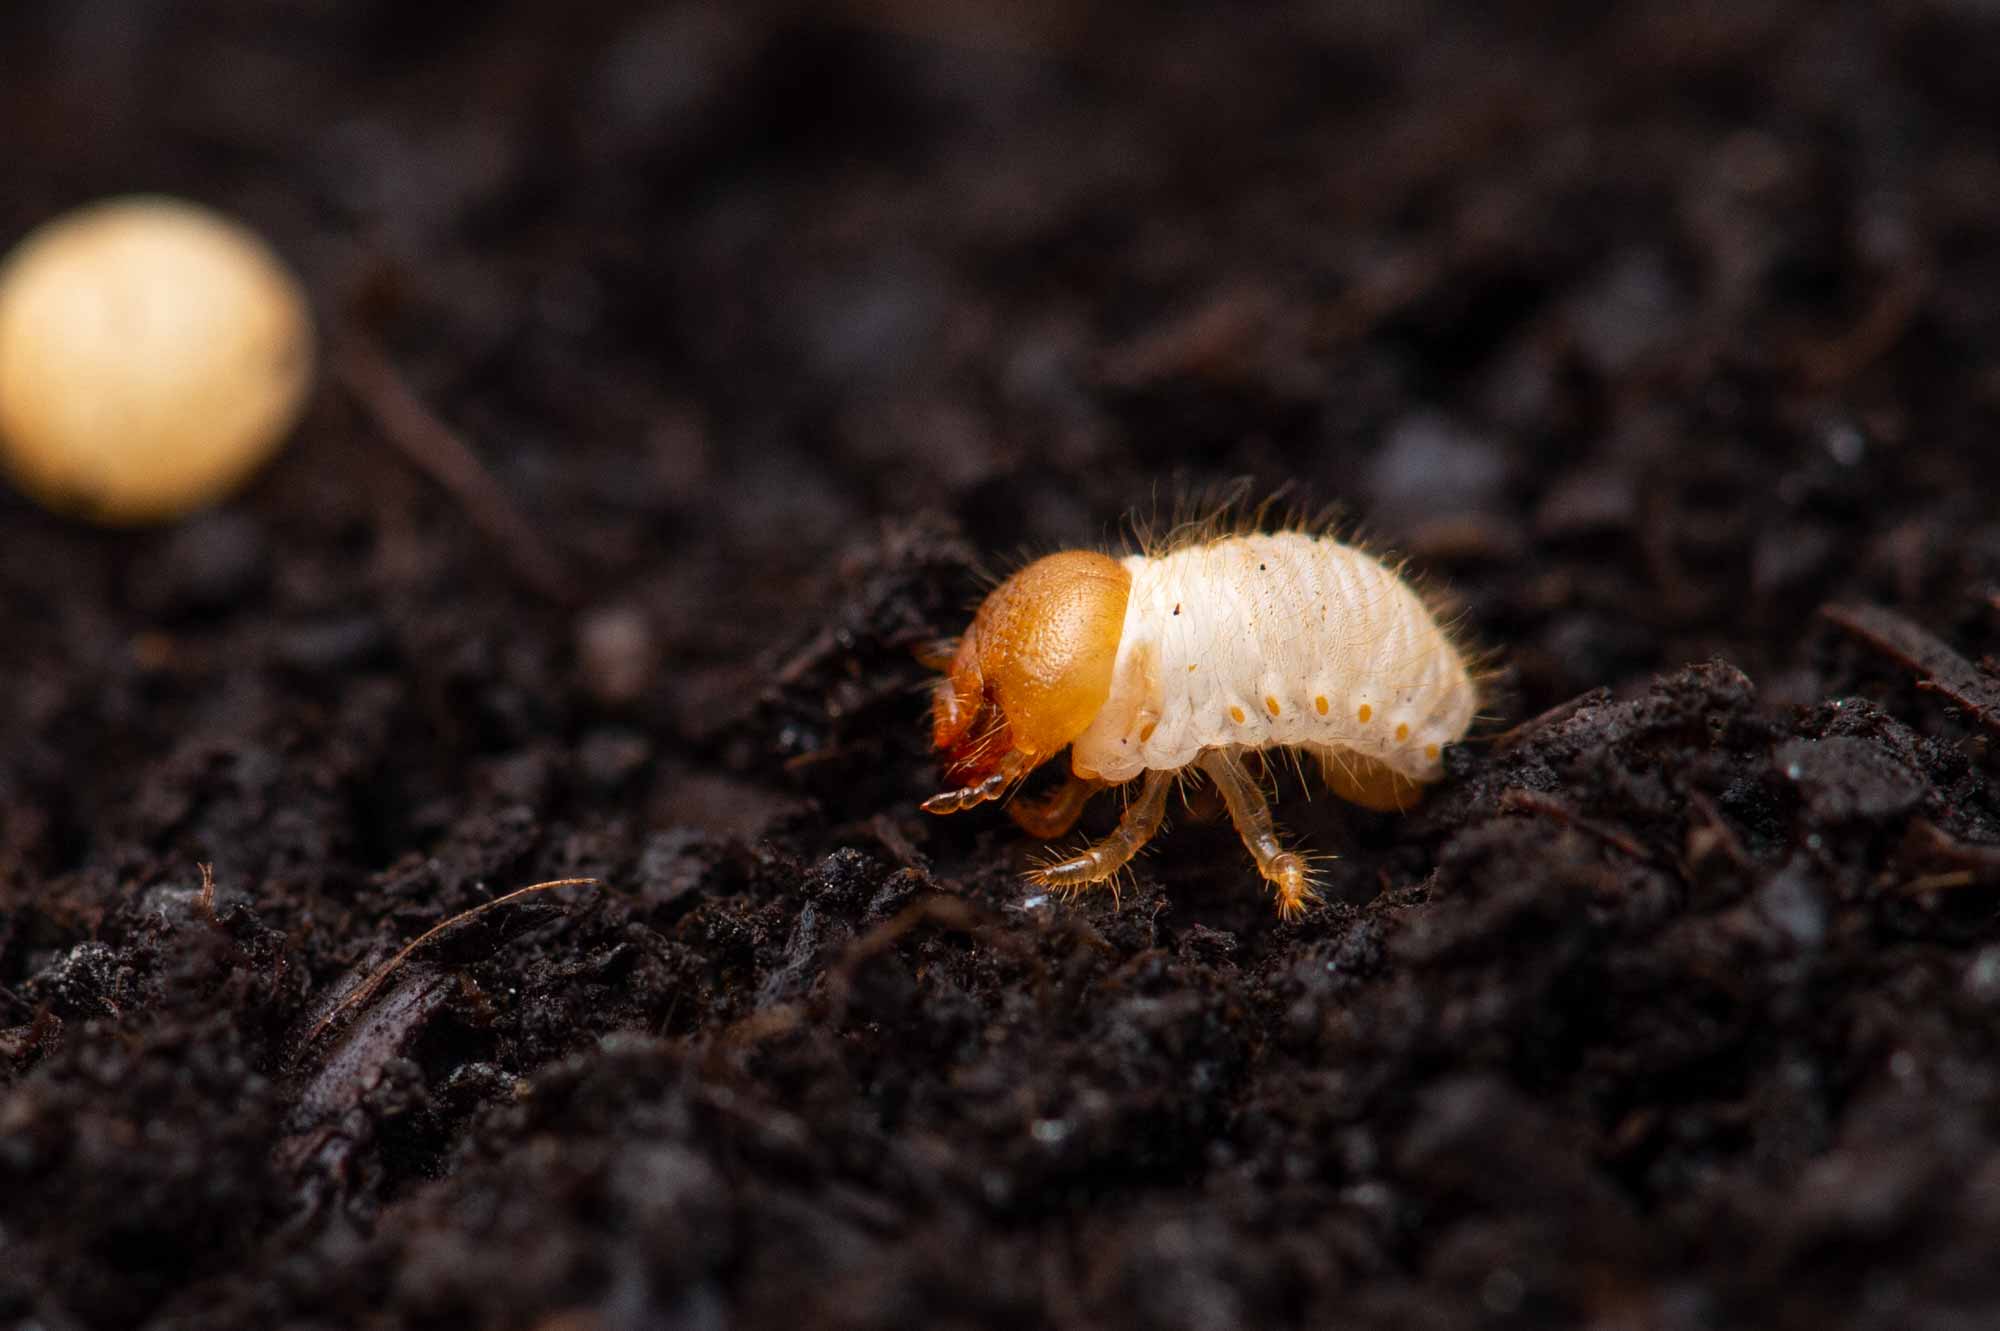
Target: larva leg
[[1055, 815], [1103, 860], [1012, 767], [1252, 816]]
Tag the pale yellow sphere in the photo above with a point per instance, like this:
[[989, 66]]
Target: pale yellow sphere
[[152, 355]]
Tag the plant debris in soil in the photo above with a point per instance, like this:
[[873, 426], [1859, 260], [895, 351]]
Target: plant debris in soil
[[699, 360]]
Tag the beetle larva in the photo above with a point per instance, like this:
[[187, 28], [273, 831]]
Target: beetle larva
[[1148, 665]]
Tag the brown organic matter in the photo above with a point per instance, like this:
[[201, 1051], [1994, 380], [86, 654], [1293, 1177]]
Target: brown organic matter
[[1646, 331]]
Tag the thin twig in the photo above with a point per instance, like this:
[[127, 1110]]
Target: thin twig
[[946, 912], [1935, 882], [1529, 801], [440, 453], [1839, 358], [1943, 670], [1717, 834], [1561, 712], [366, 989], [1947, 862]]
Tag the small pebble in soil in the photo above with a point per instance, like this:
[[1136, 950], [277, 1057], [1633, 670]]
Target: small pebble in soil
[[153, 354]]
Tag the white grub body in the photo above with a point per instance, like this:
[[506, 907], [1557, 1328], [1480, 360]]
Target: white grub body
[[1280, 639]]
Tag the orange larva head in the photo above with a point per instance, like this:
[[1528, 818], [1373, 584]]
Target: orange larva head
[[1034, 668]]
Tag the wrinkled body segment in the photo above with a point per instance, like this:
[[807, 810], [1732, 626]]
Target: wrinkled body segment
[[1149, 665], [1282, 639]]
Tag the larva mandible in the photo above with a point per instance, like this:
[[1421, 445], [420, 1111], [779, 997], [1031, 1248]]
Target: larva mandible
[[1148, 665]]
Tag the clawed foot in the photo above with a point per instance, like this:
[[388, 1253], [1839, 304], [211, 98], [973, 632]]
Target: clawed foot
[[1293, 879]]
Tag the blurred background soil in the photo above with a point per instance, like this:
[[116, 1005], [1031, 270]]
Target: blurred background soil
[[1648, 331]]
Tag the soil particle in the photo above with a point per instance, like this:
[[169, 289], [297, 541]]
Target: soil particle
[[1661, 339]]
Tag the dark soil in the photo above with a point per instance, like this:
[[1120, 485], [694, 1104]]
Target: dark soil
[[1668, 340]]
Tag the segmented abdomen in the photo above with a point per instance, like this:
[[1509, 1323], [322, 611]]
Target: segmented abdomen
[[1280, 639]]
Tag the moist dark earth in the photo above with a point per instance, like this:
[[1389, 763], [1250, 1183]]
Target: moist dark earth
[[1663, 341]]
